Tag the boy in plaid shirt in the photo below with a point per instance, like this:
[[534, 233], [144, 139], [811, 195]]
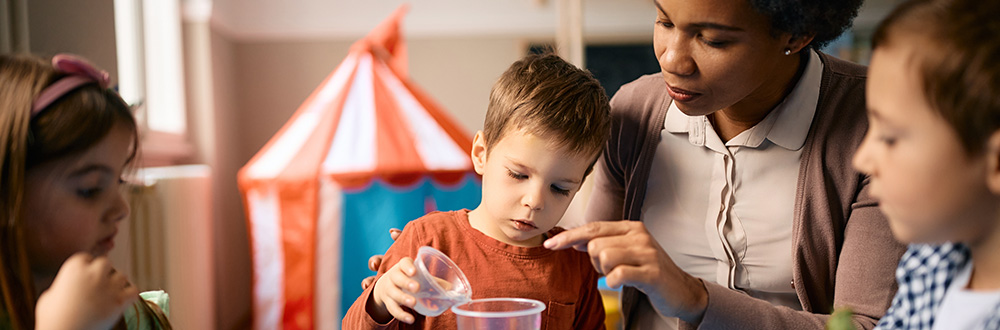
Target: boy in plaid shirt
[[933, 154]]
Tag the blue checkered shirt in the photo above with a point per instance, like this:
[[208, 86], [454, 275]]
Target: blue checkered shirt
[[924, 274]]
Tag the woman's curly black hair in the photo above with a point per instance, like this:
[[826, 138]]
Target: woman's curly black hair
[[827, 19]]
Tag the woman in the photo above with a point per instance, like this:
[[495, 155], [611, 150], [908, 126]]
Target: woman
[[734, 164]]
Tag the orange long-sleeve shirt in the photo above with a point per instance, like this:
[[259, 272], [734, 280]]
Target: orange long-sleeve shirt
[[564, 280]]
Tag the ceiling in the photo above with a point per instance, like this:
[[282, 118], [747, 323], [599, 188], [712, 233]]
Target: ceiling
[[269, 19], [349, 19]]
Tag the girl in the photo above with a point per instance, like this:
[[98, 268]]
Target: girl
[[65, 141], [933, 154]]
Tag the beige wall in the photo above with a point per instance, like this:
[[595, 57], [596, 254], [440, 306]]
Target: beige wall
[[273, 78], [82, 27], [459, 72], [232, 247]]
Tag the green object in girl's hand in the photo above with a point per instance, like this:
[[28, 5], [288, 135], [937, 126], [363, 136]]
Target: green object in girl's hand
[[840, 319]]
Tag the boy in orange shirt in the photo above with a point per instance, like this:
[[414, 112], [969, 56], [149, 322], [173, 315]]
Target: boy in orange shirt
[[546, 124]]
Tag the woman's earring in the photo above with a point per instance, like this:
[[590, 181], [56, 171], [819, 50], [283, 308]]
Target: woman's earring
[[788, 52]]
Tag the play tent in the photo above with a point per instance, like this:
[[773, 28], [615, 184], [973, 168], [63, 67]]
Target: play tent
[[367, 151]]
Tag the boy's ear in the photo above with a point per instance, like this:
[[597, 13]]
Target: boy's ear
[[479, 152], [993, 163]]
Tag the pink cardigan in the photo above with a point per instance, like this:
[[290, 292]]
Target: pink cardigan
[[843, 251]]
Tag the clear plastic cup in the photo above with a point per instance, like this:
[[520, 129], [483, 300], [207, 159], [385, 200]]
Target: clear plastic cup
[[500, 313], [442, 284]]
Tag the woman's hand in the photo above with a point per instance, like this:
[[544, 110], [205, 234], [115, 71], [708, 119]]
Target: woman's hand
[[376, 260], [628, 255], [393, 291], [87, 293]]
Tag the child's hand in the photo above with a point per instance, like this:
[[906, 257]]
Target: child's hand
[[376, 261], [87, 293], [393, 291]]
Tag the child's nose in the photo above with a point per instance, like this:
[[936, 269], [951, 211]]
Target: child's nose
[[862, 160], [119, 209], [533, 200]]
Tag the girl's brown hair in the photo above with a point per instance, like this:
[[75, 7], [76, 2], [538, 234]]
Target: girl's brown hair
[[955, 49], [67, 127]]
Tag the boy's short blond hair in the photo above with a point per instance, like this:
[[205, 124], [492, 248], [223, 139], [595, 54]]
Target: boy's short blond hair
[[550, 98]]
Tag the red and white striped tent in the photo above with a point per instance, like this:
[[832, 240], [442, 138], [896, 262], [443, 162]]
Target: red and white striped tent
[[368, 150]]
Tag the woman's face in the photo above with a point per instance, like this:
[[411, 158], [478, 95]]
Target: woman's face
[[717, 53]]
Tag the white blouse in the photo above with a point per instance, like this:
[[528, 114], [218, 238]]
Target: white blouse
[[723, 210]]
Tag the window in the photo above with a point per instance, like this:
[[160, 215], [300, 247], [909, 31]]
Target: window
[[151, 76]]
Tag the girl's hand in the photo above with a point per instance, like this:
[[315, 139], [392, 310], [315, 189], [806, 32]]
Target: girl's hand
[[628, 255], [87, 293], [393, 291]]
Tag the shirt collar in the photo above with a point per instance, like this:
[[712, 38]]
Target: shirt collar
[[786, 126], [677, 121], [795, 113]]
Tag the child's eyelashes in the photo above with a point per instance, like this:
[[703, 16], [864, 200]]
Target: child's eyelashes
[[560, 190], [521, 177], [88, 193], [94, 191], [515, 175], [888, 141]]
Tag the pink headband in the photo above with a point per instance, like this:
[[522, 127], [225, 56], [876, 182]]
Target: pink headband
[[78, 73]]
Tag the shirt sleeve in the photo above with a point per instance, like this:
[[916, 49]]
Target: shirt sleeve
[[158, 297], [607, 199], [143, 317]]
